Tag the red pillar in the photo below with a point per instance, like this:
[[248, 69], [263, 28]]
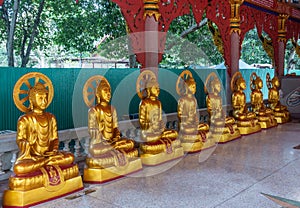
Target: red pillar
[[281, 43], [281, 52], [151, 44], [235, 53]]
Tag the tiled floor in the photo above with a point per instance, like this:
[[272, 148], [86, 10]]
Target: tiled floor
[[232, 175]]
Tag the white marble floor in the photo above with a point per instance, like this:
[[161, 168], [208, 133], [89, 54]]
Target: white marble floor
[[232, 175]]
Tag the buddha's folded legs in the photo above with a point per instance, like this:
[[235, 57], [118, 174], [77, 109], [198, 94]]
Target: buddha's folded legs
[[28, 165]]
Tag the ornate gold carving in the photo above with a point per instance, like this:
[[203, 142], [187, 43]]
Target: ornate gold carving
[[297, 47], [282, 27], [268, 46], [235, 16], [25, 83], [216, 37], [151, 9]]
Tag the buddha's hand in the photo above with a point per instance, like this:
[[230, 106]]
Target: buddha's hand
[[51, 153]]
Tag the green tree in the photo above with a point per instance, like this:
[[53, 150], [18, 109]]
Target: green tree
[[25, 27]]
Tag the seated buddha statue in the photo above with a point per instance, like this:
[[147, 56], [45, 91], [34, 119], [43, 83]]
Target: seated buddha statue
[[193, 135], [281, 113], [246, 121], [41, 171], [159, 144], [265, 115], [110, 155], [220, 124]]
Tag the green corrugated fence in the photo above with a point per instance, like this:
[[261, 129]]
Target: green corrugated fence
[[68, 105]]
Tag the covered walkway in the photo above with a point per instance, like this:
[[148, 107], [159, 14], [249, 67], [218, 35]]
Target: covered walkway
[[233, 175]]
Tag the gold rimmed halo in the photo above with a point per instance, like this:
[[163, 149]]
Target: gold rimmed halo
[[90, 87], [253, 77], [211, 77], [234, 78], [182, 78], [25, 83], [142, 81], [268, 80]]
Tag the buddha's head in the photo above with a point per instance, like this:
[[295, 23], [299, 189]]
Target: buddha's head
[[215, 85], [103, 93], [38, 97], [258, 83], [152, 88], [241, 84], [190, 85], [275, 82]]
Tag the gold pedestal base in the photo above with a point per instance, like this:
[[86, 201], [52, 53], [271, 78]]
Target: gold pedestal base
[[192, 147], [98, 176], [39, 195], [191, 143], [281, 120], [210, 142], [227, 137], [245, 130], [267, 124], [152, 160]]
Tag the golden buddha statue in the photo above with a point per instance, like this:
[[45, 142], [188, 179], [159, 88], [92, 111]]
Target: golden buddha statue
[[246, 121], [221, 126], [265, 115], [41, 171], [110, 156], [193, 135], [159, 144], [281, 113]]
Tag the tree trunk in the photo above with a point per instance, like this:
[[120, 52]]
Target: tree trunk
[[11, 34], [25, 56]]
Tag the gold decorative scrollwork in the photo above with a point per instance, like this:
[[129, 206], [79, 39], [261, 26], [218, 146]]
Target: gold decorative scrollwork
[[235, 16], [151, 9], [90, 87], [25, 83], [282, 27], [268, 46], [216, 37], [297, 47]]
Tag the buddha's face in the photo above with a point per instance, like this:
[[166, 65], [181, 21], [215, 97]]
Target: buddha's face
[[243, 84], [154, 90], [192, 88], [259, 84], [276, 82], [105, 94], [40, 101], [217, 87]]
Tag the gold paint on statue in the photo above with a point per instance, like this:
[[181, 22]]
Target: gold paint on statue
[[265, 115], [110, 155], [224, 127], [40, 167], [193, 135], [160, 145], [246, 121], [281, 113]]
